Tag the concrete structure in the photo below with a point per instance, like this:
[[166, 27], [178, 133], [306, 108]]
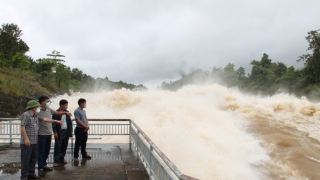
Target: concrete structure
[[109, 162]]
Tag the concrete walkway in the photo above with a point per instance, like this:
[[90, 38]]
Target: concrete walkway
[[109, 161]]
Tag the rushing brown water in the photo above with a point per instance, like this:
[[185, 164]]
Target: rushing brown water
[[213, 132]]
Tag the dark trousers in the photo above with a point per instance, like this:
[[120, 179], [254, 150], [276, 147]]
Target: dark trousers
[[81, 140], [44, 143], [29, 157], [60, 147]]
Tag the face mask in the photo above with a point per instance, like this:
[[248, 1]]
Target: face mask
[[85, 106], [38, 110], [66, 107], [48, 104]]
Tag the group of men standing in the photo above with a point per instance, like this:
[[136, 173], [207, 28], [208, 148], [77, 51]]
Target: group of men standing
[[37, 125]]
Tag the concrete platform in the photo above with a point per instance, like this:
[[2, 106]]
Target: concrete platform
[[109, 161]]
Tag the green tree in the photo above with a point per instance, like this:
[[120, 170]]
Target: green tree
[[3, 61], [312, 60], [229, 75], [62, 76], [262, 74], [11, 42], [56, 54], [19, 60], [291, 79], [76, 74], [241, 72], [265, 62], [280, 69], [44, 68]]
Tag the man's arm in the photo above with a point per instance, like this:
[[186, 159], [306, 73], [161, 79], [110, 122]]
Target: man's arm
[[47, 120], [25, 137], [81, 123], [69, 124], [87, 127], [54, 128], [60, 113]]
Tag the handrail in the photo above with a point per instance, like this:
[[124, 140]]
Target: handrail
[[8, 119], [165, 159], [109, 119]]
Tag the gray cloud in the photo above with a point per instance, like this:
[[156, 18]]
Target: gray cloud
[[148, 42]]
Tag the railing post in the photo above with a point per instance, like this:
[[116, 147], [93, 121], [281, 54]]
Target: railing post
[[72, 152], [150, 163], [130, 134], [137, 144], [10, 131]]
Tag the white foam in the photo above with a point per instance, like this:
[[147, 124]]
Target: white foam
[[187, 125]]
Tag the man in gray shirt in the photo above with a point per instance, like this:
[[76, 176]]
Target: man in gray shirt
[[81, 130], [29, 139], [45, 134]]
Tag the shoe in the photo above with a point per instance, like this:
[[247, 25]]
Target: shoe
[[40, 172], [65, 162], [87, 156], [76, 159], [47, 168], [84, 160], [75, 163], [34, 177], [55, 164]]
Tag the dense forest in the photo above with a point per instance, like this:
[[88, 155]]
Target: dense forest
[[266, 77], [21, 75]]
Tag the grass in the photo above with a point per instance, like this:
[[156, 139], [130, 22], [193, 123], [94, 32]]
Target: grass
[[20, 83]]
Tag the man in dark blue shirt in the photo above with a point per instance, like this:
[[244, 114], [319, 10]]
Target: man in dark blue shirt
[[61, 134]]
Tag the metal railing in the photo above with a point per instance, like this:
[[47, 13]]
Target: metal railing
[[9, 130], [155, 161]]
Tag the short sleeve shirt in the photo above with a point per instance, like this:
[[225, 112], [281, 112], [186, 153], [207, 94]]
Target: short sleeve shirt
[[80, 114], [31, 123], [45, 128]]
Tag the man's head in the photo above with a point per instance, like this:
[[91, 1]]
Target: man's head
[[32, 106], [63, 104], [82, 103], [44, 101]]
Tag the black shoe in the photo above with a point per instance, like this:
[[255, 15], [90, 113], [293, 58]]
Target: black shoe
[[47, 168], [87, 156], [40, 172], [34, 177]]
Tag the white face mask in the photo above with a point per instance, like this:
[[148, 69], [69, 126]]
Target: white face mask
[[38, 110]]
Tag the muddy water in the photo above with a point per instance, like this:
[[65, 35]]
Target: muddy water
[[213, 132]]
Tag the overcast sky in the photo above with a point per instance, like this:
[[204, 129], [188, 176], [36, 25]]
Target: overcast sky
[[148, 42]]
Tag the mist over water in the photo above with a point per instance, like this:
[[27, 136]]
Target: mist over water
[[212, 132]]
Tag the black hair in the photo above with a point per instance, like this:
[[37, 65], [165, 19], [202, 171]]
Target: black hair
[[63, 102], [81, 100], [43, 98]]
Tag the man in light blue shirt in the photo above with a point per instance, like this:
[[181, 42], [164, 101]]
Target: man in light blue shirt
[[81, 131]]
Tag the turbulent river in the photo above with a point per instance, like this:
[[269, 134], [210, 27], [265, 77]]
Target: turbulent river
[[212, 132]]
